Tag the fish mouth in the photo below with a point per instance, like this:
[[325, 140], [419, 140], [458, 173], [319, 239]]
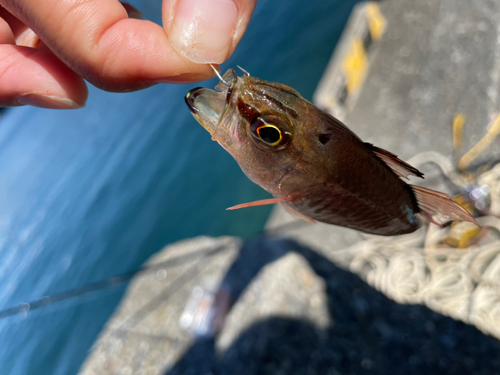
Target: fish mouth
[[208, 106]]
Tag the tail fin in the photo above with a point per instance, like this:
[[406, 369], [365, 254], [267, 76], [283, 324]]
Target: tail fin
[[439, 208]]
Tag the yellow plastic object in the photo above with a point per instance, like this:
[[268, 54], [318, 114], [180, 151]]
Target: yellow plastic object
[[355, 65], [458, 131], [376, 20], [480, 146]]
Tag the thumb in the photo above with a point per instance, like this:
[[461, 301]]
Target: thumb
[[206, 31]]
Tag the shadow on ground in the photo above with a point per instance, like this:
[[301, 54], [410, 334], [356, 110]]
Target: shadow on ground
[[370, 334]]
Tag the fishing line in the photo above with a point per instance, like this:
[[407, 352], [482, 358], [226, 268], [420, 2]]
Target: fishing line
[[105, 283], [198, 255]]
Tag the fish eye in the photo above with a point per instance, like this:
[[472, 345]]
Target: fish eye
[[270, 131], [269, 134]]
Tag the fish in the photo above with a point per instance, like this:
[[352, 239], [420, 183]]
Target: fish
[[313, 164]]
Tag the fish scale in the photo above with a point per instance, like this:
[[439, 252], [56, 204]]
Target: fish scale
[[339, 208]]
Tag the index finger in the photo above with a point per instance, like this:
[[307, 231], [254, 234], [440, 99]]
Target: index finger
[[97, 40]]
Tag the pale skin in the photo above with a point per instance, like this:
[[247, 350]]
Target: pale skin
[[49, 47]]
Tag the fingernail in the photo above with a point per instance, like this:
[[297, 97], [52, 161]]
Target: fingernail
[[48, 101], [202, 30], [28, 38]]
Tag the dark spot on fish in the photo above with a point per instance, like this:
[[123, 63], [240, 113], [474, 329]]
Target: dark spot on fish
[[246, 111], [324, 138]]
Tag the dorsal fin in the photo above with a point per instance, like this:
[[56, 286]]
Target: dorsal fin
[[438, 208], [397, 165]]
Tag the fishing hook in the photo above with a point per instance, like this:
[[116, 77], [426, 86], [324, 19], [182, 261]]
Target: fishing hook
[[244, 71], [218, 75]]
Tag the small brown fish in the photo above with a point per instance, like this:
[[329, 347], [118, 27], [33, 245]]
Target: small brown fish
[[312, 163]]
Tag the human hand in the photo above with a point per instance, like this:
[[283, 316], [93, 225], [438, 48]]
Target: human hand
[[48, 47]]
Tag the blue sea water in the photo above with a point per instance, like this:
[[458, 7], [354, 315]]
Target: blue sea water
[[92, 193]]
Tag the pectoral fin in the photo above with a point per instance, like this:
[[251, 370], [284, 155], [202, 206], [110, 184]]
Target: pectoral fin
[[438, 208], [259, 203], [397, 165], [297, 214]]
